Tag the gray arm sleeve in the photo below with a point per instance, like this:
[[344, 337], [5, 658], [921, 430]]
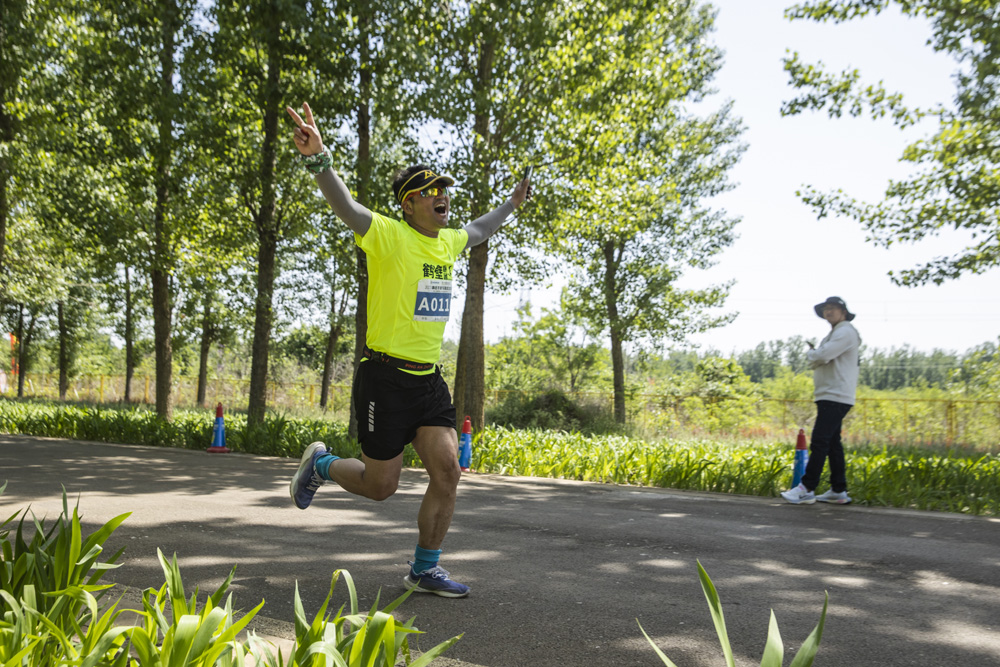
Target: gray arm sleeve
[[356, 216], [484, 226]]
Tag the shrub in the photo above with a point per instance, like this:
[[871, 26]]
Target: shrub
[[49, 613], [551, 410], [278, 435]]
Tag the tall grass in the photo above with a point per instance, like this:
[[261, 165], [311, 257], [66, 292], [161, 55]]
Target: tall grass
[[279, 435], [943, 480]]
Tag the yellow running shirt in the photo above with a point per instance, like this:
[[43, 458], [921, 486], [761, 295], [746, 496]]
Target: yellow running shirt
[[409, 287]]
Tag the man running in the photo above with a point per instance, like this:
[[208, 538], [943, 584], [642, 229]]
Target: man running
[[399, 394]]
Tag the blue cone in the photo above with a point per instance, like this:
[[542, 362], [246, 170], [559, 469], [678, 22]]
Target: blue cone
[[219, 433]]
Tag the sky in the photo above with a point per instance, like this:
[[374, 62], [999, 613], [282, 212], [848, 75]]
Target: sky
[[785, 260]]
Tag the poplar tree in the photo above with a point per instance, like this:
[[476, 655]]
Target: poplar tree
[[635, 199], [956, 183]]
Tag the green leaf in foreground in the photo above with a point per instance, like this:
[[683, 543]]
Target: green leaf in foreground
[[773, 649]]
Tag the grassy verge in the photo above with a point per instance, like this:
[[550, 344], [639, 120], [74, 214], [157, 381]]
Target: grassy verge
[[910, 477], [942, 480], [190, 429]]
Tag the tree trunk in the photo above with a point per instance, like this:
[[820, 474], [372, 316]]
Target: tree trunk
[[206, 345], [618, 366], [63, 351], [268, 223], [263, 319], [129, 338], [336, 328], [611, 303], [331, 345], [470, 371], [324, 391], [360, 328], [364, 169], [470, 386], [160, 272], [161, 337], [19, 356], [25, 334], [7, 134], [4, 212]]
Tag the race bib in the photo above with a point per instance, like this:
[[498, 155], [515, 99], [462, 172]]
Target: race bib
[[433, 301]]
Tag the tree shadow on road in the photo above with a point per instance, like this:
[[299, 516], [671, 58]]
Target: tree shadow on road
[[560, 570]]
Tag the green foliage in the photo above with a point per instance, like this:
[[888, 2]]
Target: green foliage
[[766, 360], [48, 585], [632, 137], [716, 396], [949, 481], [50, 614], [964, 484], [906, 367], [185, 635], [774, 651], [551, 352], [788, 385], [979, 373], [895, 368], [279, 435], [694, 465], [954, 184], [307, 345], [551, 410], [375, 639]]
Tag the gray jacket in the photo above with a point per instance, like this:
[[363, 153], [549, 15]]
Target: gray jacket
[[835, 365]]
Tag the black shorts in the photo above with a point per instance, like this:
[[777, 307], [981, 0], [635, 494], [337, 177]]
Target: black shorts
[[392, 404]]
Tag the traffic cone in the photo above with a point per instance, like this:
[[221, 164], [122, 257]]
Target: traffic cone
[[219, 434], [801, 458], [465, 445]]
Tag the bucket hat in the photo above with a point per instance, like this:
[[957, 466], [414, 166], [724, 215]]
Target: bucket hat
[[833, 301]]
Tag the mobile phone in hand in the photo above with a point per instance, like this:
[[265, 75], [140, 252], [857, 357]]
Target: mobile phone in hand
[[527, 173]]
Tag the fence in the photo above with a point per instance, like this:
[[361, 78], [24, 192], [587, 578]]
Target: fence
[[879, 420], [234, 394], [889, 421]]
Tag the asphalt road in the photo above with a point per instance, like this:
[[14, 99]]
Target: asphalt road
[[559, 570]]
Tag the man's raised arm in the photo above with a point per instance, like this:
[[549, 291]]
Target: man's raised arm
[[318, 160], [486, 225]]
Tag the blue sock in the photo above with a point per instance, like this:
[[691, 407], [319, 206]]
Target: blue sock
[[425, 559], [322, 465]]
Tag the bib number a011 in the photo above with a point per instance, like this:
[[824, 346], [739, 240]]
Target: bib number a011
[[433, 301]]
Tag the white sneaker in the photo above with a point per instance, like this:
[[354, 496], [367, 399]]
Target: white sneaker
[[831, 496], [800, 495]]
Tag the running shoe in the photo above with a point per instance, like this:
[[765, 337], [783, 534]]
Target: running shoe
[[436, 580], [306, 480], [800, 495], [837, 498]]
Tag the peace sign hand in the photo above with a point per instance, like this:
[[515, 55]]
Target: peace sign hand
[[307, 137]]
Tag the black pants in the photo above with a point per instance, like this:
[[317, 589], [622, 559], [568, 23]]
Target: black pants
[[826, 444]]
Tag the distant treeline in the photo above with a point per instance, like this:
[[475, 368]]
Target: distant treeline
[[882, 369], [536, 360]]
